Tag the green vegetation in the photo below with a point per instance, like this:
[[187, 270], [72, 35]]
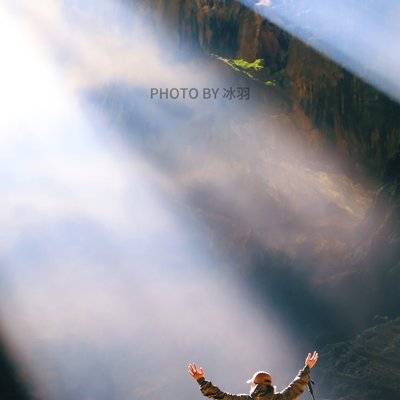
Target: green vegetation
[[256, 65], [256, 70], [253, 70]]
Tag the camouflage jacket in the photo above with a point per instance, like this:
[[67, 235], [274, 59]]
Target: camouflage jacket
[[261, 392]]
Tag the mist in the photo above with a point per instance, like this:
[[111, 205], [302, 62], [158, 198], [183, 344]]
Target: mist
[[109, 289], [128, 221]]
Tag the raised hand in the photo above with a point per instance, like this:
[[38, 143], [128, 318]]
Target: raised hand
[[311, 359], [195, 372]]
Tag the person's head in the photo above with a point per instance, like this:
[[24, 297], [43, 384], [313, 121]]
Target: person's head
[[260, 378]]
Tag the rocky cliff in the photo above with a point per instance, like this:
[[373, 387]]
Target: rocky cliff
[[365, 367], [333, 109], [340, 112], [328, 101]]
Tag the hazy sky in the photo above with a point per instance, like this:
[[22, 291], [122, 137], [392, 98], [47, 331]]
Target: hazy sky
[[361, 36]]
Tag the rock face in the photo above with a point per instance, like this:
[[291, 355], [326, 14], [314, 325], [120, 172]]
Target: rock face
[[358, 120], [340, 112], [333, 109], [366, 367], [226, 28], [11, 384], [337, 107]]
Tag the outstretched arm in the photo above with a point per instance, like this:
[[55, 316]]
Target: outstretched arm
[[298, 385], [209, 390]]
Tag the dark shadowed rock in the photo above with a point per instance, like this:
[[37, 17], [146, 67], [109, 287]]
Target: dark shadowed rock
[[366, 367]]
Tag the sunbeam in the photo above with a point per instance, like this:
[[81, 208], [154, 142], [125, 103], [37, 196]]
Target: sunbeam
[[107, 280]]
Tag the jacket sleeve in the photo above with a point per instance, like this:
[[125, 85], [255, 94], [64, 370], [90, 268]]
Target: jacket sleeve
[[297, 386], [209, 390]]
